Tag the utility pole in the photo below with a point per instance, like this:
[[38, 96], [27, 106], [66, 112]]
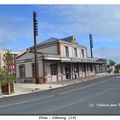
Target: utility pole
[[91, 44], [35, 30]]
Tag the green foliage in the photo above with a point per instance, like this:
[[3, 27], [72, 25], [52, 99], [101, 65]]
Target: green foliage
[[6, 76], [117, 68]]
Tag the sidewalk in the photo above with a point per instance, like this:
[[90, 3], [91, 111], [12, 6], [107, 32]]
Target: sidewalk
[[25, 88]]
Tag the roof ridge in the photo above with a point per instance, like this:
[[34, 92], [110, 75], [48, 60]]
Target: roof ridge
[[48, 40]]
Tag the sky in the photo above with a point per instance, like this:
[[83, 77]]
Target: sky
[[59, 21]]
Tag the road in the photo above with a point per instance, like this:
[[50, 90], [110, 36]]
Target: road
[[99, 96]]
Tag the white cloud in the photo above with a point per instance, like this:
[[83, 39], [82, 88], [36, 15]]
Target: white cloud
[[98, 19], [108, 53]]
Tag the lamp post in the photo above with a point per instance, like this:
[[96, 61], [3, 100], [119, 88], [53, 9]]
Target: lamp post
[[35, 30]]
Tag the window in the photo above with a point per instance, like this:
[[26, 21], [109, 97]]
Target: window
[[33, 70], [75, 52], [22, 70], [82, 53], [74, 40], [53, 70], [66, 51], [76, 68]]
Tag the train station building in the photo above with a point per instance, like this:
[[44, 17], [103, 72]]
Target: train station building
[[58, 60]]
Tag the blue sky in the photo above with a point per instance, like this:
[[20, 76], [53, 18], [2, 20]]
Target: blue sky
[[60, 21]]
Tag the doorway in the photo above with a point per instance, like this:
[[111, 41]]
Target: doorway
[[54, 72], [76, 71], [67, 71]]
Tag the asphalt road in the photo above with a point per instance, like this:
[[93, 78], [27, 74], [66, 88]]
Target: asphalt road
[[99, 96]]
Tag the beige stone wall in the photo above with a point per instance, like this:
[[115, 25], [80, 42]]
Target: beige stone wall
[[17, 71], [49, 78], [62, 50], [51, 49], [71, 51], [28, 69], [40, 68]]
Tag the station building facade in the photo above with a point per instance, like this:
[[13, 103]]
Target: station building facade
[[58, 60]]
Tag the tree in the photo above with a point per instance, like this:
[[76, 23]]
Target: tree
[[7, 75], [117, 68]]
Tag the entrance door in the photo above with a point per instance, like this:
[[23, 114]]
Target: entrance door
[[54, 73], [76, 71], [67, 71]]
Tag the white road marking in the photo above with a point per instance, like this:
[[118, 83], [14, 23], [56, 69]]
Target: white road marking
[[101, 93], [18, 103], [70, 104], [117, 77], [66, 92]]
